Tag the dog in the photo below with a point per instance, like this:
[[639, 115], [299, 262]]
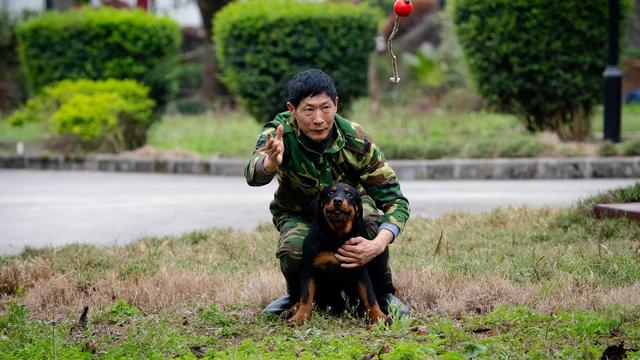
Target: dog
[[337, 218]]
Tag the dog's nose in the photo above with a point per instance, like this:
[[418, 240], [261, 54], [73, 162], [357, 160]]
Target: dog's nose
[[337, 202]]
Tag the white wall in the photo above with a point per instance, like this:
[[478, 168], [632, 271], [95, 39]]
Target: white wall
[[16, 6], [184, 12]]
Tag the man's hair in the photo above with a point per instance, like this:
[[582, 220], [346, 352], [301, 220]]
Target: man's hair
[[309, 83]]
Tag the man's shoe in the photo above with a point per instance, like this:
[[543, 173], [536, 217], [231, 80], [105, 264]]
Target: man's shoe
[[391, 305], [278, 306]]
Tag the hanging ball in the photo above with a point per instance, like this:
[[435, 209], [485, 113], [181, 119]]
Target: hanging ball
[[403, 8]]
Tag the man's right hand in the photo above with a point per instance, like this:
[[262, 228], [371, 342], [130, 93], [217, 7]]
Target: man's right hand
[[275, 151]]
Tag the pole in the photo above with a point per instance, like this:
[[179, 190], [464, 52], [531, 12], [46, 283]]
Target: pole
[[613, 77], [48, 4]]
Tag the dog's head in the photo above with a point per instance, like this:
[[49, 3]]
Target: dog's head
[[341, 208]]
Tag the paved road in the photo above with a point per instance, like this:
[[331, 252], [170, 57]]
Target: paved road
[[41, 208]]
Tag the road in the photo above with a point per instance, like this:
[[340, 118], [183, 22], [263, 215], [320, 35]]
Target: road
[[52, 208]]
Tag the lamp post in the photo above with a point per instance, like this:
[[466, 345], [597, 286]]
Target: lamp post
[[613, 77]]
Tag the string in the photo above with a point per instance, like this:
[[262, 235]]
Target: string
[[395, 78]]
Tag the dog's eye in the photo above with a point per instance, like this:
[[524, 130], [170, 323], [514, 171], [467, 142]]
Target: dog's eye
[[349, 195], [331, 193]]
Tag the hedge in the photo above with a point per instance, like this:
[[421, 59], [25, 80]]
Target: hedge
[[540, 59], [109, 115], [101, 44], [261, 44]]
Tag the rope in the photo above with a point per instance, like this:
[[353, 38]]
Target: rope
[[395, 78]]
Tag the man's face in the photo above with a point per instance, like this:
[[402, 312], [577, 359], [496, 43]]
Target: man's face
[[314, 116]]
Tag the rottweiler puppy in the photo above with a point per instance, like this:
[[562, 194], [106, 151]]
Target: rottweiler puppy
[[337, 218]]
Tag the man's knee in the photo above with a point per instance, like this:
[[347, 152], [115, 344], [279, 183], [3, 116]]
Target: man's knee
[[289, 266]]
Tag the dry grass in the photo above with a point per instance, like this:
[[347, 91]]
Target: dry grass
[[507, 257], [432, 291]]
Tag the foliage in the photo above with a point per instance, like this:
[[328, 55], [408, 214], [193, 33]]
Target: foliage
[[111, 114], [632, 148], [191, 106], [425, 66], [542, 60], [121, 310], [12, 84], [101, 44], [261, 44], [213, 316]]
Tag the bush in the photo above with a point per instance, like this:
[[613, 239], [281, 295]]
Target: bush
[[190, 106], [13, 89], [541, 60], [261, 44], [632, 148], [104, 115], [608, 148], [99, 45]]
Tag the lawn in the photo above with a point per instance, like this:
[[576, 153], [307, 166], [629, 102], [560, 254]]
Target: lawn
[[435, 134], [512, 283]]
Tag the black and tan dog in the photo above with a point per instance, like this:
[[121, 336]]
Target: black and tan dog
[[337, 218]]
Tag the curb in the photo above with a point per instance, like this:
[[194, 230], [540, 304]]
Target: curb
[[444, 169]]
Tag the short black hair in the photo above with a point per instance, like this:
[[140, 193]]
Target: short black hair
[[309, 83]]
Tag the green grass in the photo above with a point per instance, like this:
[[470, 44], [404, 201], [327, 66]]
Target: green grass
[[207, 135], [30, 131], [400, 133], [512, 283], [630, 121], [502, 334]]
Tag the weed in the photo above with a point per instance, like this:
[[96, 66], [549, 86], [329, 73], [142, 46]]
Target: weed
[[213, 316], [121, 312]]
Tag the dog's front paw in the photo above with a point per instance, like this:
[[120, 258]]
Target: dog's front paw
[[290, 311], [299, 318], [376, 317]]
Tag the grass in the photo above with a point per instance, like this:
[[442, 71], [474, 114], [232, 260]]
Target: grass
[[512, 283], [30, 131], [436, 134], [232, 135]]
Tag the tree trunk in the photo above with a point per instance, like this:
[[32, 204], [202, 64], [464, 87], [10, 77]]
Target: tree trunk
[[211, 90]]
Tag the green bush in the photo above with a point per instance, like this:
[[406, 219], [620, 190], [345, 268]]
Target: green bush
[[99, 45], [13, 88], [632, 148], [541, 60], [190, 106], [261, 44], [102, 115]]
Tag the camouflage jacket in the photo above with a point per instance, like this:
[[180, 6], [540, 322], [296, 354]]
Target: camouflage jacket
[[352, 158]]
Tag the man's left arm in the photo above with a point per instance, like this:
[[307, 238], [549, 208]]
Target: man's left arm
[[381, 183]]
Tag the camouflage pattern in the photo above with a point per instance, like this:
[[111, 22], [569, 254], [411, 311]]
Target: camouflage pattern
[[352, 158]]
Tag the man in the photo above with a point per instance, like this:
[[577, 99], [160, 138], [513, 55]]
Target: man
[[308, 148]]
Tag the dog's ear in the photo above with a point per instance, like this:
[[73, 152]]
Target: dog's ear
[[359, 211]]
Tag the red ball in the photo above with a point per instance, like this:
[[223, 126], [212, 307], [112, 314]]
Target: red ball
[[403, 7]]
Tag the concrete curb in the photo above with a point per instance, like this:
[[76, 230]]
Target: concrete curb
[[479, 169]]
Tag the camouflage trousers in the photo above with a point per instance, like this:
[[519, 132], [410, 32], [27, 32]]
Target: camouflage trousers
[[294, 228]]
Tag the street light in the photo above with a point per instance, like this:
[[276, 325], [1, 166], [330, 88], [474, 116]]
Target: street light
[[613, 77]]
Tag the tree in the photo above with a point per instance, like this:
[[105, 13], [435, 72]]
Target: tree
[[211, 87]]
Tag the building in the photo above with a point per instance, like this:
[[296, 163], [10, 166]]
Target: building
[[184, 12]]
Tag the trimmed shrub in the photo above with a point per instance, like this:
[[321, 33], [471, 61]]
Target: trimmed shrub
[[190, 106], [109, 115], [99, 45], [261, 44], [13, 87], [539, 59], [632, 148]]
